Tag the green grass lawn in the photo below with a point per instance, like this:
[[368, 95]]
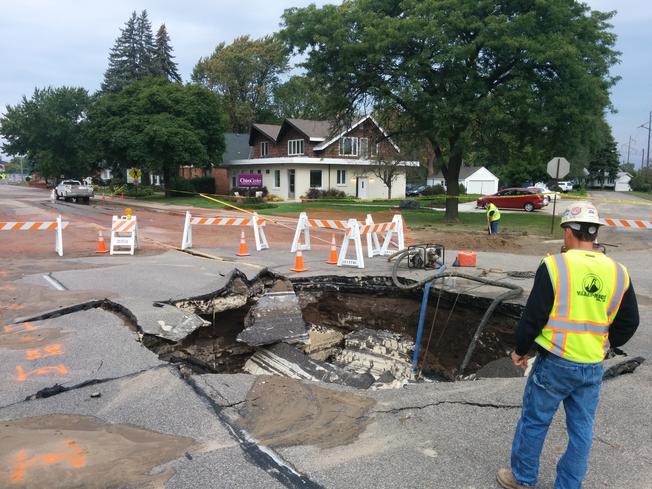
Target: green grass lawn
[[517, 223], [643, 195]]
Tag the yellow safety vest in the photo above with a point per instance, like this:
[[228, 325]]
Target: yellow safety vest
[[492, 207], [589, 288]]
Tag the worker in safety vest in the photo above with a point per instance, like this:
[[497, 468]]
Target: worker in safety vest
[[493, 218], [582, 303]]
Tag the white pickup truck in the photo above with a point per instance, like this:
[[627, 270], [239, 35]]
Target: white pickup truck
[[73, 189], [565, 186]]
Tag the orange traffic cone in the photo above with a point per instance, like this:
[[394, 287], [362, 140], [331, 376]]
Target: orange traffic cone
[[298, 263], [332, 257], [101, 245], [243, 246]]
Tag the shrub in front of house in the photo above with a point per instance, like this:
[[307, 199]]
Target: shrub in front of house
[[331, 193], [245, 191], [203, 185], [182, 186]]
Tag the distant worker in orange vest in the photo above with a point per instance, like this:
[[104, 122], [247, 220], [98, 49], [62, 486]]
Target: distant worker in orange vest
[[582, 303], [493, 218]]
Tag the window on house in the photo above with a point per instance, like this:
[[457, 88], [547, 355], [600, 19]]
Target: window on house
[[349, 147], [295, 147], [266, 172], [264, 148], [341, 177], [233, 182], [277, 178], [374, 149], [315, 178], [364, 148]]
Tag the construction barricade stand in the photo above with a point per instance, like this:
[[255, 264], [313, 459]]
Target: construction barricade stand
[[393, 229], [255, 222], [57, 226], [124, 235]]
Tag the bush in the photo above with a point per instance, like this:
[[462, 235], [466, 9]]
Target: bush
[[331, 193], [409, 204], [244, 191], [203, 185], [462, 189], [183, 186], [434, 190]]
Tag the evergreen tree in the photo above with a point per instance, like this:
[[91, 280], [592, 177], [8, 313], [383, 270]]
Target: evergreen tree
[[163, 57], [123, 60], [133, 56], [146, 47]]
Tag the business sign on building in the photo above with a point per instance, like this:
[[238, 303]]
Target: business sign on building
[[250, 180]]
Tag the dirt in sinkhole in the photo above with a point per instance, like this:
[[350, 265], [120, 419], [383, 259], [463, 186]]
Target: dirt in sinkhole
[[352, 306]]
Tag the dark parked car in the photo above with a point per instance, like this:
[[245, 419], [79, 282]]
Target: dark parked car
[[513, 198], [413, 190]]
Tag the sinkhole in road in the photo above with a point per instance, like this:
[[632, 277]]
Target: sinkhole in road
[[358, 331]]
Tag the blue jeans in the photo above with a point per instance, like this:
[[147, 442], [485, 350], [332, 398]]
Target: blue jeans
[[494, 227], [551, 381]]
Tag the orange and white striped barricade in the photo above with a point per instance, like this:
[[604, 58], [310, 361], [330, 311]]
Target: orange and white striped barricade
[[352, 233], [257, 223], [371, 230], [304, 225], [627, 223], [124, 235], [57, 226]]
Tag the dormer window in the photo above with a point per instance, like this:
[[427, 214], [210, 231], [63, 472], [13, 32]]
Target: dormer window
[[295, 147], [349, 147], [264, 148]]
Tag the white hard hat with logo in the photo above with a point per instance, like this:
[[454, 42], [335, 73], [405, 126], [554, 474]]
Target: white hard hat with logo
[[581, 212]]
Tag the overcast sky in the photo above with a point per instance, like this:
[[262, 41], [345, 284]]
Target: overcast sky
[[66, 42]]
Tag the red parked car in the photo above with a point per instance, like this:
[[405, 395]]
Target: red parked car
[[514, 198]]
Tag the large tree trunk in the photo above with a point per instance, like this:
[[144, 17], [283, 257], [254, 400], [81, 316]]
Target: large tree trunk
[[452, 176], [389, 190], [166, 180]]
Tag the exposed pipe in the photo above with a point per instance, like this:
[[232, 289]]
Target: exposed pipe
[[513, 292]]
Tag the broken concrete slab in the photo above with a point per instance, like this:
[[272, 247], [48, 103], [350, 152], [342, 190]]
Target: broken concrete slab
[[322, 342], [283, 359], [63, 352], [226, 389], [276, 316], [379, 353]]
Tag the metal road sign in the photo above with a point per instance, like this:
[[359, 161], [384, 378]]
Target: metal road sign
[[558, 167], [135, 173]]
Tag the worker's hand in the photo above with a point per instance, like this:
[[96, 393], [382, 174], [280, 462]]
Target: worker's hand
[[520, 361]]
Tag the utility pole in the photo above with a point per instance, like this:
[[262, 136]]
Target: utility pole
[[649, 129], [629, 145]]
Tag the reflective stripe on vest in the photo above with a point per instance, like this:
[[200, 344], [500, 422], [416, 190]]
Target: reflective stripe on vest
[[589, 288]]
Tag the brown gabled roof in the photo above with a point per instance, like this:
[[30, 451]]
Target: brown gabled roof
[[312, 129], [269, 130]]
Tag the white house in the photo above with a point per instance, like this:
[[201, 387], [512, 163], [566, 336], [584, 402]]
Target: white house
[[476, 180], [302, 154], [621, 183]]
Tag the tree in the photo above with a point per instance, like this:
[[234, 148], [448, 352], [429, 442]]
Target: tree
[[133, 54], [49, 129], [158, 126], [605, 164], [244, 74], [300, 98], [453, 69], [163, 59]]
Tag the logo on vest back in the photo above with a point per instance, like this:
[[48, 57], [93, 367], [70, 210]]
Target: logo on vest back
[[591, 287]]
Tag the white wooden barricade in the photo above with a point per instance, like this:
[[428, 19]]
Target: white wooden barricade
[[124, 235], [352, 234], [370, 230], [57, 225], [255, 222], [304, 225]]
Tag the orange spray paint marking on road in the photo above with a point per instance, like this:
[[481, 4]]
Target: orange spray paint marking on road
[[22, 375], [19, 327], [8, 288], [46, 351], [11, 307], [73, 456]]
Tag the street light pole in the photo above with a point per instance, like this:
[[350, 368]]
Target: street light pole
[[649, 127]]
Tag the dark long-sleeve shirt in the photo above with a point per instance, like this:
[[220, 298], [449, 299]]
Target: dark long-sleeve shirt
[[540, 303]]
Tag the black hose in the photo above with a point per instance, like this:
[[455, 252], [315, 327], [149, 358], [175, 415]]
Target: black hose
[[513, 292]]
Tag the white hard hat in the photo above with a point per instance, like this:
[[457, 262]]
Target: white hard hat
[[581, 212]]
